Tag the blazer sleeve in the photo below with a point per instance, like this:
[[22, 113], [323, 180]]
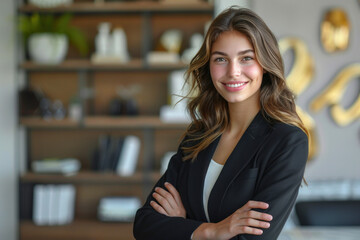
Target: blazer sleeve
[[151, 225], [280, 182]]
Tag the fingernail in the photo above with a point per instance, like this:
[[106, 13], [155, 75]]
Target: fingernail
[[166, 183]]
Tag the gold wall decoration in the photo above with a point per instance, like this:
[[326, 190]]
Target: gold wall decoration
[[333, 94], [335, 30], [302, 70], [298, 79]]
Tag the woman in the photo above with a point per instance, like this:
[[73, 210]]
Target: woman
[[238, 169]]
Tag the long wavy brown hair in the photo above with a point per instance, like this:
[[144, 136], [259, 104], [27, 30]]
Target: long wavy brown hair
[[208, 109]]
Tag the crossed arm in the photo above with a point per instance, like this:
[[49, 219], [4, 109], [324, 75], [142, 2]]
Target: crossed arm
[[245, 220]]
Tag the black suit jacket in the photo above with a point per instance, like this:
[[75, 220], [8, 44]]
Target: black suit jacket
[[267, 165]]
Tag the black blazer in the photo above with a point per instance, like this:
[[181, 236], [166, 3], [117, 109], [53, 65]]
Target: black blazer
[[267, 165]]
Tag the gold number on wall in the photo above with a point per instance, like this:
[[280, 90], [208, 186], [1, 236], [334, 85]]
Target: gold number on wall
[[335, 30], [333, 94], [298, 79]]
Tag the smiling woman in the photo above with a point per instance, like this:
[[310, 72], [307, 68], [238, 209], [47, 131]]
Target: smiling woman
[[235, 72], [239, 166]]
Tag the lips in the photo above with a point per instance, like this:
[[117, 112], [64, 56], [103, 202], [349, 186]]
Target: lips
[[235, 86]]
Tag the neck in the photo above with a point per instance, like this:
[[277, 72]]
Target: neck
[[241, 115]]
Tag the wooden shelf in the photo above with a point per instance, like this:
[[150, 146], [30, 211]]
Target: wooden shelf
[[103, 122], [130, 122], [124, 7], [79, 229], [38, 122], [87, 65], [83, 177]]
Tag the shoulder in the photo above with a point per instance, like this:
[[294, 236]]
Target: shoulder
[[286, 131], [284, 137]]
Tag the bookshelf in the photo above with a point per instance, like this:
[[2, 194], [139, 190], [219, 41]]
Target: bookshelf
[[143, 21]]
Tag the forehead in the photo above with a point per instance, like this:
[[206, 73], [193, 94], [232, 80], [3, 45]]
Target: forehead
[[232, 40]]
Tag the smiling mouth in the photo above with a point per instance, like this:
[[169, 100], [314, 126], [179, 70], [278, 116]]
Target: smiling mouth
[[235, 85]]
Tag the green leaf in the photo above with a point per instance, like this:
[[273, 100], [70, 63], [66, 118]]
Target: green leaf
[[48, 23]]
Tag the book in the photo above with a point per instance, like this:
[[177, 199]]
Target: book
[[119, 142], [67, 204], [39, 205], [104, 151], [26, 201], [53, 204], [129, 156]]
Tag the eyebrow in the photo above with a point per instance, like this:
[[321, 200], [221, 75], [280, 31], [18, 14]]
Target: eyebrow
[[239, 53]]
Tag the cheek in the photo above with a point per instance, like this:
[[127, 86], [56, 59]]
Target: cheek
[[216, 72], [254, 72]]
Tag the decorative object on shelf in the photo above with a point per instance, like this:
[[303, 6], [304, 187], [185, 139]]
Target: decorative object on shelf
[[50, 3], [29, 102], [335, 30], [118, 209], [66, 166], [111, 47], [125, 104], [176, 111], [167, 49], [53, 204], [195, 44], [49, 109], [58, 110], [48, 48], [332, 95], [47, 37], [75, 109]]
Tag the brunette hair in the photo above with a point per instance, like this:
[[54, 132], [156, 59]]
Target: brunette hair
[[208, 110]]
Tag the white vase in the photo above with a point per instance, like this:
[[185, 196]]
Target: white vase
[[48, 48]]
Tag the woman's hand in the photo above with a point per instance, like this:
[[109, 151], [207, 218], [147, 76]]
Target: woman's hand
[[168, 202], [243, 221]]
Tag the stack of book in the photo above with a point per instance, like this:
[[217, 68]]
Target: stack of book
[[53, 204], [117, 154]]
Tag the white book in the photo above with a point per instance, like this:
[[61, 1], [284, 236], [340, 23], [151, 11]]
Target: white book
[[129, 156], [53, 204], [66, 204], [40, 205]]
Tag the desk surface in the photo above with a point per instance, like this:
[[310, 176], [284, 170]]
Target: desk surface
[[321, 233]]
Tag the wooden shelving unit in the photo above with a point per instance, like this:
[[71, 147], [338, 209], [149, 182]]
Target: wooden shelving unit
[[104, 122], [79, 229], [143, 21], [125, 7]]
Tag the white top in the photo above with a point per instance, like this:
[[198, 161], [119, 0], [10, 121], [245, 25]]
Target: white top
[[212, 175]]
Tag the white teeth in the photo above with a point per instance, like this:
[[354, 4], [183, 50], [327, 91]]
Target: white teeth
[[234, 85]]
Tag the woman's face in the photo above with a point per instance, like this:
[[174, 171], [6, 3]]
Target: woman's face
[[235, 72]]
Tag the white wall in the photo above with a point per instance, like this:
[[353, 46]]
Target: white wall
[[339, 147], [8, 174]]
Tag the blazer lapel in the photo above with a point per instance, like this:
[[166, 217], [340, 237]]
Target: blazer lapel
[[197, 172], [237, 161]]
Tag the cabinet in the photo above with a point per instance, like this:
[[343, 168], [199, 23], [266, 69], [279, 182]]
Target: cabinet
[[143, 22]]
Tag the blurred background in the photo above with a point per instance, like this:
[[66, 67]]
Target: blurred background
[[88, 115]]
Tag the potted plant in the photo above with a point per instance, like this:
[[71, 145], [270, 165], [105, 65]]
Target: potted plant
[[47, 37]]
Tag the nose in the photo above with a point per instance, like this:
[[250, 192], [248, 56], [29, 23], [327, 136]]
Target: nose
[[234, 69]]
